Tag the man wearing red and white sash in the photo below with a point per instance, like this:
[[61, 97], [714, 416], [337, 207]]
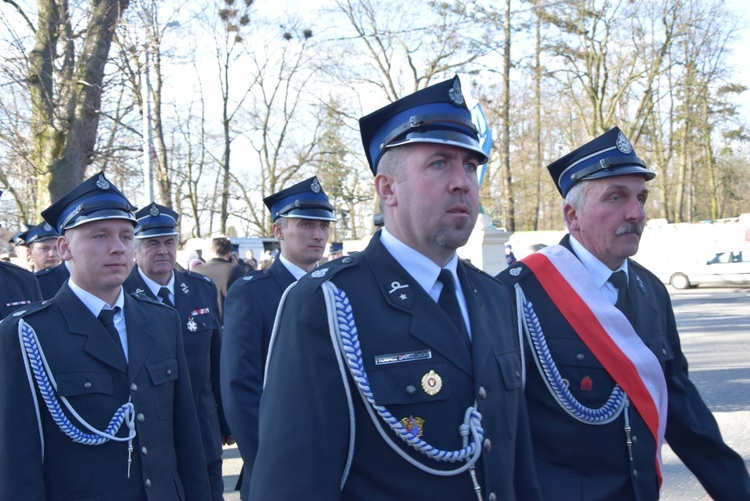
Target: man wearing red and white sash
[[606, 381]]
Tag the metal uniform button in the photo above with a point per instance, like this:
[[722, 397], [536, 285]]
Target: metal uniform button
[[518, 375], [580, 357], [148, 483], [134, 387], [664, 351], [144, 450], [346, 260], [141, 418], [635, 473], [493, 497], [482, 393], [411, 389], [169, 372], [87, 384], [635, 439], [487, 445]]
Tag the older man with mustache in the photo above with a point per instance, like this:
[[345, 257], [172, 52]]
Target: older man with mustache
[[606, 379]]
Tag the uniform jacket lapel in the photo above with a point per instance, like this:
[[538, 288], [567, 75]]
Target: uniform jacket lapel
[[429, 323], [482, 333], [82, 322]]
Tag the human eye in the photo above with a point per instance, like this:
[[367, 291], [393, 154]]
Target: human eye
[[471, 166], [440, 164]]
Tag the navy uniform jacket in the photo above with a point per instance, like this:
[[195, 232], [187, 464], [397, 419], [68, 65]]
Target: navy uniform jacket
[[51, 279], [591, 461], [92, 374], [304, 417], [18, 288], [249, 313], [195, 292]]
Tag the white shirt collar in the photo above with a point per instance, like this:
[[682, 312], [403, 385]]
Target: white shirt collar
[[155, 287], [295, 270], [93, 303]]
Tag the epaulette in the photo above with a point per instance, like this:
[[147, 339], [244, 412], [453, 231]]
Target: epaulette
[[44, 271], [142, 296], [514, 273], [254, 276], [197, 276], [29, 309], [328, 270]]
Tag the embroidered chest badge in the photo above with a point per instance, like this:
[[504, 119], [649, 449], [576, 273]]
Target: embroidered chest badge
[[432, 383]]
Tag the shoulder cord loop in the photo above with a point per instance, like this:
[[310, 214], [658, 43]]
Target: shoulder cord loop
[[38, 370], [346, 340], [557, 386]]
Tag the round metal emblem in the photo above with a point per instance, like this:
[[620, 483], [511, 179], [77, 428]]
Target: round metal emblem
[[432, 383]]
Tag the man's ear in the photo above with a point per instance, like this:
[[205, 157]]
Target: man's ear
[[571, 217], [386, 189], [63, 247], [278, 231]]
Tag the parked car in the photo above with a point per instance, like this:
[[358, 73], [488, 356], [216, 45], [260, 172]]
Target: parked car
[[723, 268]]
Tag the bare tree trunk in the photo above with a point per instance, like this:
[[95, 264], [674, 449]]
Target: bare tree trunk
[[64, 125], [510, 216]]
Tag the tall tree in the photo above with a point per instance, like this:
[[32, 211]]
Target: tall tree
[[66, 69]]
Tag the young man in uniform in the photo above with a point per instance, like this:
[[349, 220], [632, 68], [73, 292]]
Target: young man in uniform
[[396, 373], [96, 401], [302, 215]]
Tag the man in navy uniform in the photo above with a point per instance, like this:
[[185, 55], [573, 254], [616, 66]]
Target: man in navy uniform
[[41, 246], [97, 402], [194, 297], [396, 373], [50, 270], [302, 215], [18, 287], [607, 381]]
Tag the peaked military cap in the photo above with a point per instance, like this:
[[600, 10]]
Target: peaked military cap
[[305, 200], [40, 232], [435, 114], [156, 221], [610, 154], [336, 247], [93, 200]]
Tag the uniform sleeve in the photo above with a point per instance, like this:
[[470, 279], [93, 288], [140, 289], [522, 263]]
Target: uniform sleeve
[[242, 370], [216, 340], [21, 472], [692, 431], [304, 417]]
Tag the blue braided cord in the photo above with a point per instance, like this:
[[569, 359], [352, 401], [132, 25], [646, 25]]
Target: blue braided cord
[[47, 390], [353, 354], [605, 414]]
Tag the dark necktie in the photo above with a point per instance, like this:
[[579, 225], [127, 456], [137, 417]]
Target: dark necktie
[[624, 302], [449, 302], [107, 318], [164, 295]]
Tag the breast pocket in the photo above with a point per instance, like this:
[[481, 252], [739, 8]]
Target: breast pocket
[[163, 375], [84, 389], [409, 383]]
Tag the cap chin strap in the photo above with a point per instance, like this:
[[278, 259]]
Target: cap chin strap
[[607, 163]]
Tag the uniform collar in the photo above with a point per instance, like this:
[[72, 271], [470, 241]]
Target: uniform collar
[[295, 270], [155, 287], [93, 303]]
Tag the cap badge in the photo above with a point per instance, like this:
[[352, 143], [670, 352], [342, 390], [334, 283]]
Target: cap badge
[[455, 93], [154, 211], [315, 186], [413, 425], [432, 383], [623, 144], [102, 183]]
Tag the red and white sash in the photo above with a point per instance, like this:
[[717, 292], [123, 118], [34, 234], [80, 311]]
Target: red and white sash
[[607, 333]]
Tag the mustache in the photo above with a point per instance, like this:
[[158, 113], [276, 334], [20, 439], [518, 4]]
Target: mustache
[[627, 227]]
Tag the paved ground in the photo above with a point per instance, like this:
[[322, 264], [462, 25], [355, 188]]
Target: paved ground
[[714, 327]]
